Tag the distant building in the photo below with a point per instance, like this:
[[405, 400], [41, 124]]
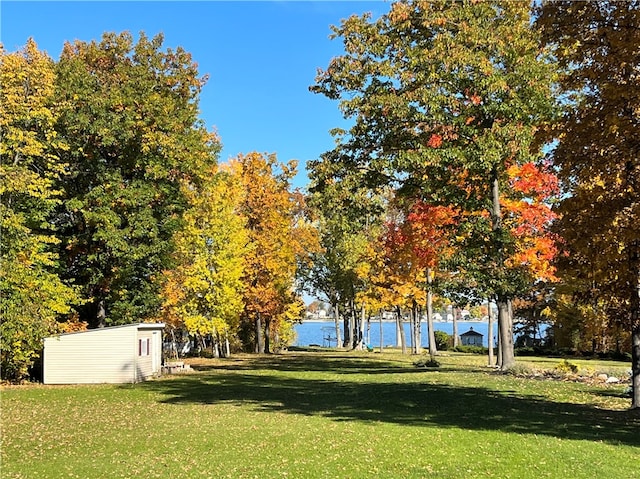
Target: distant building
[[471, 338]]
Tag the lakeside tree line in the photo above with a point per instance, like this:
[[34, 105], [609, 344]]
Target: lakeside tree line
[[492, 155], [115, 209]]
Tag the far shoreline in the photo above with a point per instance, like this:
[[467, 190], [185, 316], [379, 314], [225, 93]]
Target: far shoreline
[[393, 321]]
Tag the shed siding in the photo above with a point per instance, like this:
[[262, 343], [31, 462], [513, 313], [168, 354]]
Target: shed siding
[[149, 365], [95, 356]]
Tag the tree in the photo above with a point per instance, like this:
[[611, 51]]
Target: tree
[[129, 114], [431, 234], [446, 98], [347, 222], [597, 155], [32, 295], [270, 209], [204, 291]]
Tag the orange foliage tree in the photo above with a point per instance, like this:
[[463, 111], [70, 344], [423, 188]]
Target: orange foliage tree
[[278, 239]]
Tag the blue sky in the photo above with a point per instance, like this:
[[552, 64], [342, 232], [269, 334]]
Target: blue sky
[[260, 57]]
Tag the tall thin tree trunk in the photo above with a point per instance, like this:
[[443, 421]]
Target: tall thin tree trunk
[[347, 330], [417, 323], [215, 350], [101, 314], [363, 325], [433, 350], [259, 340], [490, 333], [267, 335], [634, 305], [456, 338], [505, 326], [381, 333], [412, 331], [400, 324], [353, 325], [498, 346], [506, 357], [336, 319]]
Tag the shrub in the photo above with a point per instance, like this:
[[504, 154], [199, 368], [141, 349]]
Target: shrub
[[566, 367], [521, 370], [471, 349], [427, 363], [442, 340]]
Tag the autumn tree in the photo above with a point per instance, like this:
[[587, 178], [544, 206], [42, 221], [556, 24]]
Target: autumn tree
[[129, 115], [431, 230], [269, 207], [347, 220], [445, 98], [203, 292], [597, 155], [32, 295]]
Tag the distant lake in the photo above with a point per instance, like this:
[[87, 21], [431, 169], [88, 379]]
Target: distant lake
[[316, 332]]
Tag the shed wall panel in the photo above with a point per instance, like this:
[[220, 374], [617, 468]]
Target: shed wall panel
[[96, 356]]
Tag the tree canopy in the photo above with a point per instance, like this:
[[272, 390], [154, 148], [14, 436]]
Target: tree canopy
[[129, 115], [32, 295], [445, 100], [598, 157]]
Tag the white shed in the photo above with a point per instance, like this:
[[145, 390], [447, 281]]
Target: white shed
[[117, 354]]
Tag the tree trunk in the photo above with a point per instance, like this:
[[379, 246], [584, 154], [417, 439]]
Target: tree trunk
[[267, 336], [215, 350], [634, 305], [360, 326], [412, 331], [381, 333], [506, 356], [505, 327], [353, 325], [401, 335], [336, 319], [456, 341], [490, 334], [433, 350], [635, 366], [418, 329], [259, 341], [101, 315], [498, 346], [347, 330]]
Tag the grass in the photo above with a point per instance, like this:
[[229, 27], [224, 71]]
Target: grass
[[324, 415]]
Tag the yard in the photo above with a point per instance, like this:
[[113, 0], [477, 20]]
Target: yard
[[325, 415]]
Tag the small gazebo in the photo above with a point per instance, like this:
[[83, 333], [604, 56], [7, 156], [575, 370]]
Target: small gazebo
[[471, 338]]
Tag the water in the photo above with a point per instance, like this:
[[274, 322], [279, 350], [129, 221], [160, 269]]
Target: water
[[316, 332]]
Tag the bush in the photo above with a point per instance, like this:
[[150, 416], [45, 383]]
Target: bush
[[566, 367], [442, 340], [521, 370], [427, 363], [471, 349]]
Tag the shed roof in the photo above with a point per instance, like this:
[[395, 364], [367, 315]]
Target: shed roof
[[471, 332], [143, 326]]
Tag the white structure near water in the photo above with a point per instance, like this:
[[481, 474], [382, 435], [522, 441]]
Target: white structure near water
[[117, 354]]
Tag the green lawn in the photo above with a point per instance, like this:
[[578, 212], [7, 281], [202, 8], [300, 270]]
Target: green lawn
[[324, 415]]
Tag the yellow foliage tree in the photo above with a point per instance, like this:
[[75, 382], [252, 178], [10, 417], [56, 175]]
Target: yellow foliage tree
[[32, 296], [203, 293]]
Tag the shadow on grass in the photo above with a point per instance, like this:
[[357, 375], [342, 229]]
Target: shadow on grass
[[255, 383]]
